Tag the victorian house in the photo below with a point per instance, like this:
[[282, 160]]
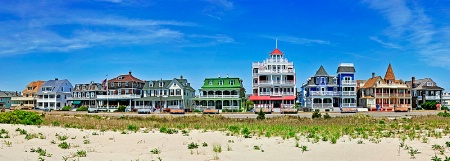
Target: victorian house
[[28, 98], [273, 83], [386, 94], [423, 90], [172, 93], [121, 91], [53, 94], [86, 94], [226, 94]]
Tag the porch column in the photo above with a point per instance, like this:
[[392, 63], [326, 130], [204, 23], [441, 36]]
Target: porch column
[[322, 102]]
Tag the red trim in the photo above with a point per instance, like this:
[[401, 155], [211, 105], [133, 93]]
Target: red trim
[[276, 52], [271, 98]]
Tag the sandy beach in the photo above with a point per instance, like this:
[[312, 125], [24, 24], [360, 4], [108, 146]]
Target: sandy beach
[[110, 145]]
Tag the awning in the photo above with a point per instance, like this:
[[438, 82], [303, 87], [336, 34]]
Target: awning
[[271, 98], [76, 102]]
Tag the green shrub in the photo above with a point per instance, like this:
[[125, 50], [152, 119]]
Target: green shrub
[[444, 108], [121, 108], [429, 105], [66, 108], [326, 116], [64, 145], [261, 115], [192, 145], [21, 117], [316, 114], [82, 108]]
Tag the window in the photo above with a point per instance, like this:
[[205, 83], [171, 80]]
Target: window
[[178, 92], [126, 84], [62, 88], [119, 91], [119, 84], [231, 82], [174, 84], [171, 92], [165, 92], [221, 82], [92, 95], [161, 83], [429, 83], [119, 78], [210, 82], [30, 88], [112, 85], [150, 84], [79, 95]]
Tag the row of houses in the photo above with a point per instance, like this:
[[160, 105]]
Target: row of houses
[[273, 88]]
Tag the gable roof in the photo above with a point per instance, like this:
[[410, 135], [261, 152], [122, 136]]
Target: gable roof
[[8, 94], [371, 82], [56, 84], [125, 78], [35, 85], [389, 73], [321, 72], [421, 84], [166, 84], [226, 83]]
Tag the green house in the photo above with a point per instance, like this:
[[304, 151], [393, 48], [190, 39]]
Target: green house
[[220, 93]]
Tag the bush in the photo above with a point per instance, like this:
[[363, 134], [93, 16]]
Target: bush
[[261, 115], [429, 105], [82, 108], [66, 108], [121, 108], [316, 114], [444, 108], [326, 116], [444, 114], [21, 117]]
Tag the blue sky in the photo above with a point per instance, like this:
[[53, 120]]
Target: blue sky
[[85, 40]]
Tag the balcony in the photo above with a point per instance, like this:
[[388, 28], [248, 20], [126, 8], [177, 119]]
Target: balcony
[[348, 82], [348, 93], [324, 93], [219, 96], [46, 100], [392, 95], [275, 71], [22, 98], [348, 104], [277, 82], [128, 96]]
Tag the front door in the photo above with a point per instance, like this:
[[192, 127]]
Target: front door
[[276, 104]]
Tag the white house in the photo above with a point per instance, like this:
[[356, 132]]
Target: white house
[[53, 94]]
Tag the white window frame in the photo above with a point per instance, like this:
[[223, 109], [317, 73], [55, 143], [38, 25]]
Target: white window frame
[[210, 82], [220, 82], [429, 84], [119, 84], [231, 82]]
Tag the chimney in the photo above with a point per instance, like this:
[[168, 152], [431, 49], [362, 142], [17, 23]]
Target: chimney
[[373, 74], [56, 78], [413, 79], [129, 72], [181, 76]]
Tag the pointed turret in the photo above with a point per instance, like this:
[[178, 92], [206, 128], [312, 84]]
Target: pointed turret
[[389, 74], [321, 72]]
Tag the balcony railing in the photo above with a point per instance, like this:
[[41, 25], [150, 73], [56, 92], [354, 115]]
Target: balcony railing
[[348, 82], [269, 82], [322, 105], [263, 106], [432, 97], [219, 96], [348, 104], [392, 94], [324, 93], [276, 71], [46, 99], [129, 96], [22, 98], [348, 93]]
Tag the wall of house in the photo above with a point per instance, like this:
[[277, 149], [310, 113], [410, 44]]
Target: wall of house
[[6, 102]]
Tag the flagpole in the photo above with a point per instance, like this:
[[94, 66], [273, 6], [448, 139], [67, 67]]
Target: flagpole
[[107, 93]]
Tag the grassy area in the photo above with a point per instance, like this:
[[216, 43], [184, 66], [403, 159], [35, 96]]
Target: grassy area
[[359, 126]]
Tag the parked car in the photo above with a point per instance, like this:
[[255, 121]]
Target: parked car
[[144, 110], [92, 110]]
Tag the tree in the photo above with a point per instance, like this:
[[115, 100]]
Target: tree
[[261, 115], [121, 108], [249, 104], [429, 105]]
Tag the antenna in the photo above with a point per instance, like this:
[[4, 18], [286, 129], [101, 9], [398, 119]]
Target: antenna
[[276, 43]]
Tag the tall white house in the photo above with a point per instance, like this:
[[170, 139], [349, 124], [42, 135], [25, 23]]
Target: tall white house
[[274, 83], [53, 94]]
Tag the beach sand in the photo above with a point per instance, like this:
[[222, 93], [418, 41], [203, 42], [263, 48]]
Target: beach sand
[[133, 146]]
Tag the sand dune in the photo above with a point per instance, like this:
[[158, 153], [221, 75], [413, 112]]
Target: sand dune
[[115, 146]]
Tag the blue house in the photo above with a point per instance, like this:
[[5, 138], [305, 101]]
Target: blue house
[[5, 98], [330, 93]]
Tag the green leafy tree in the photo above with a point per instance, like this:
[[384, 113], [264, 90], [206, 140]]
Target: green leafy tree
[[429, 105], [249, 104]]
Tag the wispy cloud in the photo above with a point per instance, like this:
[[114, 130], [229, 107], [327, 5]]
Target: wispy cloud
[[298, 40], [410, 23], [217, 8], [385, 44], [76, 30]]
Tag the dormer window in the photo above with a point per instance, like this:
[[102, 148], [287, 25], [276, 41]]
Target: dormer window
[[150, 84], [210, 82], [231, 82], [429, 83], [161, 83], [221, 82], [119, 78]]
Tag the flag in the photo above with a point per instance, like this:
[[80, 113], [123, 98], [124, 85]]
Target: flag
[[105, 85]]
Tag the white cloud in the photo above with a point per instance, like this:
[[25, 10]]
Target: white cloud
[[410, 23], [385, 44], [298, 40]]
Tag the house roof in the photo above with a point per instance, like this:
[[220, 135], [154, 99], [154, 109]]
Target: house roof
[[166, 84], [321, 72], [56, 84], [125, 78], [346, 69], [389, 73], [371, 82], [35, 85], [8, 94], [276, 52], [421, 84], [89, 87], [225, 83]]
